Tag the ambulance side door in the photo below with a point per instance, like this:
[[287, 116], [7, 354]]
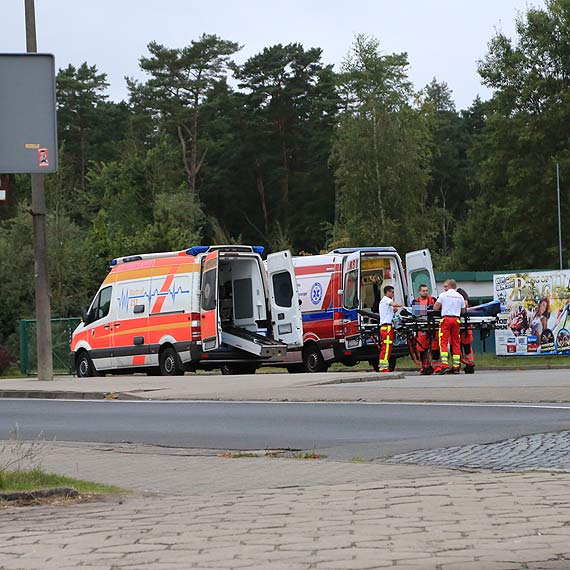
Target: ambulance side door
[[419, 271], [286, 317], [209, 314]]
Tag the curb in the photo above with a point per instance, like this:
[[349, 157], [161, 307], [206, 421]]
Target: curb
[[67, 395], [39, 494], [379, 377]]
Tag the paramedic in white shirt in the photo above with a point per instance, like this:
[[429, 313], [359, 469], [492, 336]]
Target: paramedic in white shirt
[[452, 305], [387, 308]]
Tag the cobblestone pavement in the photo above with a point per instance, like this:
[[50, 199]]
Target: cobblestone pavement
[[543, 451], [461, 521], [201, 510]]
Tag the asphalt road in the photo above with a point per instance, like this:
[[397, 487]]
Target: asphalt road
[[339, 430]]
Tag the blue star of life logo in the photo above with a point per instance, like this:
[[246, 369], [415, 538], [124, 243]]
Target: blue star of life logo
[[316, 293]]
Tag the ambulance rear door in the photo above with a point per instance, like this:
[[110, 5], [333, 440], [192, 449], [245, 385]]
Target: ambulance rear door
[[209, 318], [286, 317], [419, 271], [351, 300]]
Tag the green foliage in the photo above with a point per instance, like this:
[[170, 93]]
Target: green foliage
[[527, 133], [381, 152], [179, 82]]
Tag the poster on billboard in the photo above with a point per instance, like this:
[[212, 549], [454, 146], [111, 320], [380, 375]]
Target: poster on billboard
[[536, 319]]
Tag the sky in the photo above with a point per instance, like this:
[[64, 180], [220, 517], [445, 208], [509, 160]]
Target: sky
[[443, 38]]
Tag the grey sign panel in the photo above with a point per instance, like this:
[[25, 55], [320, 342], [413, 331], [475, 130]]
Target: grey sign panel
[[28, 126]]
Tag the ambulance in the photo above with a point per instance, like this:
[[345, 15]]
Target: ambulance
[[204, 307], [335, 286]]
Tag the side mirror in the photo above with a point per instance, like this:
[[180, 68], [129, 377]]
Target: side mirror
[[86, 316]]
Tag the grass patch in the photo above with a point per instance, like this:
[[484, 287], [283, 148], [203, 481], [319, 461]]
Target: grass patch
[[357, 460], [273, 454], [35, 479]]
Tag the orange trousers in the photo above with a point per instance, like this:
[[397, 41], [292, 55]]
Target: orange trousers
[[386, 342], [449, 334]]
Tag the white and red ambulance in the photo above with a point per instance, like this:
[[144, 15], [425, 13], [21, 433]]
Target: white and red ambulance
[[204, 307], [333, 287]]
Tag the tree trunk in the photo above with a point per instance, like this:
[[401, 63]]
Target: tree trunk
[[261, 192], [377, 170]]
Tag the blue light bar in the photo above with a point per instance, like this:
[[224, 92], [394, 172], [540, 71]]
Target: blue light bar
[[259, 249], [114, 262], [196, 249]]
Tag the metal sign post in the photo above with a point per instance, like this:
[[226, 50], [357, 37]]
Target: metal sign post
[[43, 308], [559, 217]]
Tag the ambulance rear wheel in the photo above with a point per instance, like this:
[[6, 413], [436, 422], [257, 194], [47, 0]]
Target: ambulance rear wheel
[[313, 360], [84, 365], [169, 363]]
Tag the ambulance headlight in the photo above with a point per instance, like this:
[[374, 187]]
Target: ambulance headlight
[[285, 329]]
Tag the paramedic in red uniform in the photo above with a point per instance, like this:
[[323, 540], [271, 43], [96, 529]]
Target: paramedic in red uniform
[[427, 365], [466, 338], [386, 309], [452, 305]]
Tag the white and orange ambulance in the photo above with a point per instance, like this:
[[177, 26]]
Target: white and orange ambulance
[[204, 307]]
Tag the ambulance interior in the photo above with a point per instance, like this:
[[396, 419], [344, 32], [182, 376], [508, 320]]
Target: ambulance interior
[[241, 295], [380, 270]]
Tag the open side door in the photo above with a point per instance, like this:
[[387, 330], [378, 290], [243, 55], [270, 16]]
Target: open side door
[[209, 318], [419, 271], [286, 315]]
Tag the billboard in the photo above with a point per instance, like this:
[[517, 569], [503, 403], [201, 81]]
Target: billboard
[[28, 127], [536, 320]]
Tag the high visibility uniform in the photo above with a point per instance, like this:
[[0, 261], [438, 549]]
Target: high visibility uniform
[[449, 334], [429, 355], [466, 339], [386, 333], [386, 342]]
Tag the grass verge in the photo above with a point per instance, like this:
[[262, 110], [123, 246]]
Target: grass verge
[[34, 479]]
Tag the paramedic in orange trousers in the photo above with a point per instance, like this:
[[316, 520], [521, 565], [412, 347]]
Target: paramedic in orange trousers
[[452, 305], [427, 365], [386, 309], [466, 338]]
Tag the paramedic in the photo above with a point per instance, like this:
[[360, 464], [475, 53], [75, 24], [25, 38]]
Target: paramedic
[[387, 308], [466, 338], [452, 305], [427, 365]]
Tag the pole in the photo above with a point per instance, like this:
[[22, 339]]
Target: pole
[[559, 217], [43, 309]]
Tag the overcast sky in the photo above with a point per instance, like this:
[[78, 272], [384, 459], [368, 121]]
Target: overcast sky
[[443, 38]]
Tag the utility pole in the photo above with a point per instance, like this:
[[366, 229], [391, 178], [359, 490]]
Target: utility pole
[[559, 217], [43, 309]]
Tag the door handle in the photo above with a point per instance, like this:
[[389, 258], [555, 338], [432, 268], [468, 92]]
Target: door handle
[[107, 326], [116, 325]]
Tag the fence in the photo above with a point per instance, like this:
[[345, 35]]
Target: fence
[[61, 330]]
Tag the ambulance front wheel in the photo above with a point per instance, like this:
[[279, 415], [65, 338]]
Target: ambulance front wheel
[[313, 360], [169, 363], [84, 365]]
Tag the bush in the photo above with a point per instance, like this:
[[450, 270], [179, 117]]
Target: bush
[[6, 360]]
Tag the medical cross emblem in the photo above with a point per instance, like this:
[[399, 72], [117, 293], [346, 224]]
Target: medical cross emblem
[[316, 293]]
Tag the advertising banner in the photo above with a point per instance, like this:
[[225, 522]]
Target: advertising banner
[[537, 313]]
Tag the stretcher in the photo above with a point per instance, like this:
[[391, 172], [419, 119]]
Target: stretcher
[[422, 318]]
